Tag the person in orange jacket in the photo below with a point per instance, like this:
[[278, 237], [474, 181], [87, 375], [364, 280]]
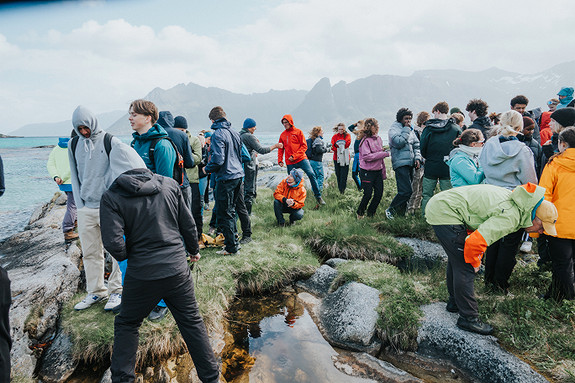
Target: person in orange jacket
[[290, 198], [558, 179], [294, 147]]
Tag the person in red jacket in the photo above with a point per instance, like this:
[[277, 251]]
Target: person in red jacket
[[340, 143], [294, 147], [290, 198], [545, 129]]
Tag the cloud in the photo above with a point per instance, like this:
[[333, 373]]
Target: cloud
[[290, 45]]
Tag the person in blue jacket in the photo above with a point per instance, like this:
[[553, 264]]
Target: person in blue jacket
[[143, 118], [463, 162]]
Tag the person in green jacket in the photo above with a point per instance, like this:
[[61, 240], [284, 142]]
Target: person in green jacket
[[489, 212], [59, 169]]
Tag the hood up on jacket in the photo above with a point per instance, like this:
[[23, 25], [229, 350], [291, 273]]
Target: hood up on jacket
[[136, 183], [437, 125], [289, 118], [495, 152], [82, 116], [527, 198], [166, 119]]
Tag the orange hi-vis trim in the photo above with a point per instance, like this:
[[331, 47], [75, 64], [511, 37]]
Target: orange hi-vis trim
[[475, 246]]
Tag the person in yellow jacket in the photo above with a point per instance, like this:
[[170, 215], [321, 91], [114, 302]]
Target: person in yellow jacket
[[289, 197], [489, 213], [558, 179], [59, 169]]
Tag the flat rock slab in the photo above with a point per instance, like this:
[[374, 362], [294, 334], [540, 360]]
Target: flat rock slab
[[479, 355], [349, 317], [426, 254], [320, 282], [367, 366]]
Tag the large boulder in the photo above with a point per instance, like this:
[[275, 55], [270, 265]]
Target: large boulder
[[479, 355], [426, 255], [349, 317], [320, 282], [44, 275]]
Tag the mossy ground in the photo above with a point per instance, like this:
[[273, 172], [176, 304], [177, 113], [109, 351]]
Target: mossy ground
[[539, 331]]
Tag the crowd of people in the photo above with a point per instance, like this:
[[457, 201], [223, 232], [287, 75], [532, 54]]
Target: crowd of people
[[505, 176]]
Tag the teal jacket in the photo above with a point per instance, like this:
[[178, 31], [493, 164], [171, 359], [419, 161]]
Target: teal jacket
[[463, 169], [164, 153]]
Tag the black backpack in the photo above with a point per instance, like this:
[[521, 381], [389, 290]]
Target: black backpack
[[107, 145], [179, 171]]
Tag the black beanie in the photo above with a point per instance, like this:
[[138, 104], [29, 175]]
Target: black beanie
[[564, 116], [180, 122]]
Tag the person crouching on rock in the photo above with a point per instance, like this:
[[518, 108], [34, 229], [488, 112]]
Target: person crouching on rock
[[290, 198], [149, 210], [489, 212]]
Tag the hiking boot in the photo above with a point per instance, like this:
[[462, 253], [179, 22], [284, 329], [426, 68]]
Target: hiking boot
[[526, 247], [225, 252], [320, 201], [388, 214], [473, 324], [245, 240], [157, 314], [70, 235], [88, 301], [113, 301], [452, 306]]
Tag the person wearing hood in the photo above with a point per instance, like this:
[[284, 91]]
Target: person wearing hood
[[225, 164], [146, 221], [545, 120], [340, 143], [182, 143], [565, 97], [251, 168], [463, 162], [405, 159], [294, 147], [436, 143], [144, 119], [490, 213], [558, 179], [92, 171], [508, 163], [477, 110], [289, 197], [59, 169]]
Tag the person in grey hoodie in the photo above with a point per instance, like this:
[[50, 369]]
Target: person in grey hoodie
[[506, 162], [92, 171], [405, 157]]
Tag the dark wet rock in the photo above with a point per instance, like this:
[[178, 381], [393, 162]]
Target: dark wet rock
[[426, 255], [334, 262], [349, 317], [320, 281], [58, 363], [369, 367], [43, 278], [479, 355]]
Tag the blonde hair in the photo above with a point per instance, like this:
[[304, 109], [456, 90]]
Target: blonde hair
[[510, 124], [314, 132]]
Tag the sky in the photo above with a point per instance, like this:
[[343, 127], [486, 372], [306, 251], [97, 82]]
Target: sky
[[104, 54]]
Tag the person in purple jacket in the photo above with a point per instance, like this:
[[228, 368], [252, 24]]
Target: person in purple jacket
[[372, 168]]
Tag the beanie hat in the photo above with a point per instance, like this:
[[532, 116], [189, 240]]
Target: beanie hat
[[568, 92], [527, 122], [249, 123], [207, 134], [216, 113], [455, 110], [564, 116], [297, 175], [165, 119], [180, 122]]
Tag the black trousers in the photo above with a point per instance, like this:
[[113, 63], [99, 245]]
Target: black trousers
[[227, 196], [562, 253], [243, 214], [280, 208], [341, 173], [500, 259], [197, 209], [5, 340], [139, 297], [460, 274], [371, 183], [403, 178], [250, 186]]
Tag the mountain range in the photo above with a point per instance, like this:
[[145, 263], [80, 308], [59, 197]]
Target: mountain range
[[378, 96]]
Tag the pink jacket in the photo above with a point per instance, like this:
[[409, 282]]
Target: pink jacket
[[371, 154]]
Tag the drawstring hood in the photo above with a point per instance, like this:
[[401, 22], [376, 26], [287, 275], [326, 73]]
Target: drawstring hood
[[84, 117]]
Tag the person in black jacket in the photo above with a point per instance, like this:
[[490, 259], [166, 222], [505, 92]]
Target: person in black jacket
[[477, 110], [149, 211]]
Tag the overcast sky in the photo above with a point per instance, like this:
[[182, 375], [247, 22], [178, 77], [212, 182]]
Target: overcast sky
[[104, 54]]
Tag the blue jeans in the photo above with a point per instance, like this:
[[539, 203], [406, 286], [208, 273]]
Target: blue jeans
[[306, 167], [317, 167]]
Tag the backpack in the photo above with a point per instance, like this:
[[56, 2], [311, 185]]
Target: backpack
[[245, 154], [179, 171], [107, 145]]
